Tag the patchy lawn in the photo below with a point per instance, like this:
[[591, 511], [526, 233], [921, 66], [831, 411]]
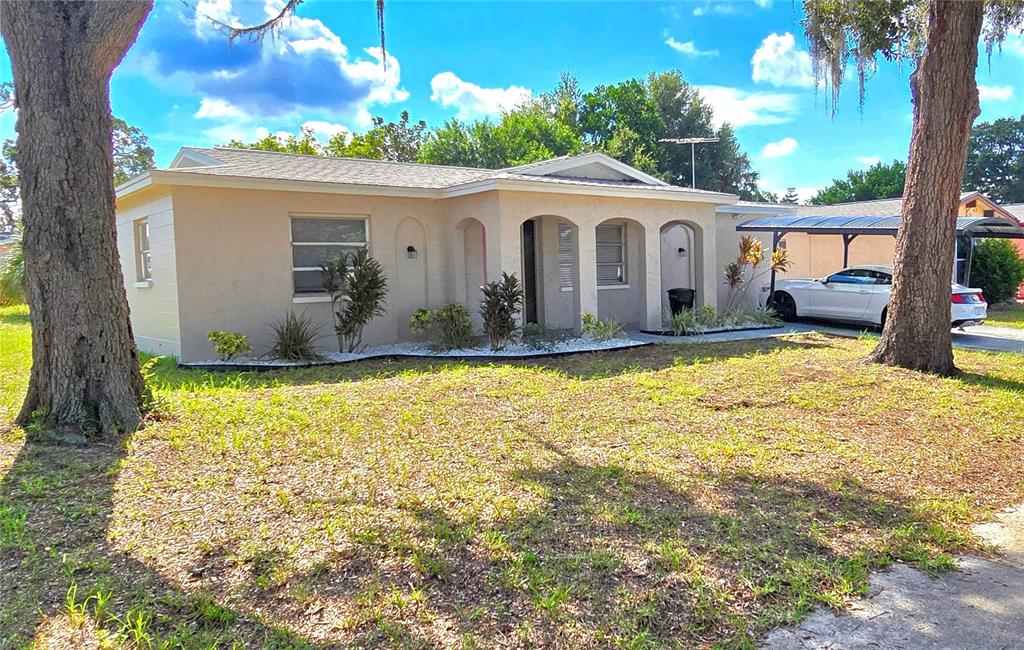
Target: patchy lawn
[[1006, 315], [670, 496]]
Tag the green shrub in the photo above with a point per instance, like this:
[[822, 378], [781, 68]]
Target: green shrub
[[997, 269], [357, 286], [449, 326], [540, 337], [704, 318], [12, 276], [228, 345], [685, 323], [295, 338], [601, 330], [500, 304]]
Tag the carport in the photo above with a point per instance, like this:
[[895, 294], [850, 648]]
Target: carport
[[849, 228]]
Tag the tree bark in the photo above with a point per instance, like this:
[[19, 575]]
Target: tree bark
[[85, 368], [945, 95]]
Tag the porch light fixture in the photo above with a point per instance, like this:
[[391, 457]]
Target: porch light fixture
[[682, 252], [410, 252]]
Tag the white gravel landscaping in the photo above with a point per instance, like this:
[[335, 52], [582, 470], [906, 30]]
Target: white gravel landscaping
[[423, 350]]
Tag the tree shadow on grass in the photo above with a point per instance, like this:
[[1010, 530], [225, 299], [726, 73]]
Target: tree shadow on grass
[[57, 557], [585, 366], [612, 556], [990, 381]]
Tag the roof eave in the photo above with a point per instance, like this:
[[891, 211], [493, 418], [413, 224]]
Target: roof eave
[[505, 184]]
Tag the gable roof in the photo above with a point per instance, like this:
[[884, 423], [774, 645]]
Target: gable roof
[[1016, 210], [886, 207], [591, 173]]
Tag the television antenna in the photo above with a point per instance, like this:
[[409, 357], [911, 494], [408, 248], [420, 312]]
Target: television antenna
[[693, 142]]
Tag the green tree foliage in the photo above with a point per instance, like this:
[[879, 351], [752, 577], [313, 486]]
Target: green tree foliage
[[880, 181], [995, 160], [997, 269], [395, 141], [132, 153], [791, 197], [525, 135], [304, 143], [12, 275]]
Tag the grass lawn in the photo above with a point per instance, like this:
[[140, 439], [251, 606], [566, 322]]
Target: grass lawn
[[671, 496], [1006, 316]]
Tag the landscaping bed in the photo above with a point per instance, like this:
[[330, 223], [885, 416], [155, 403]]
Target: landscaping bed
[[421, 351], [713, 330]]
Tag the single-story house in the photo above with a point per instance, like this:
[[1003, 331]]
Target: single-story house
[[1017, 210], [232, 239]]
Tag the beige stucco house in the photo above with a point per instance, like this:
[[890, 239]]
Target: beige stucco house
[[232, 239]]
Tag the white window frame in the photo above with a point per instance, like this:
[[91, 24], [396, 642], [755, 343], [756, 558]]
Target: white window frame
[[315, 296], [623, 283], [566, 259], [143, 254]]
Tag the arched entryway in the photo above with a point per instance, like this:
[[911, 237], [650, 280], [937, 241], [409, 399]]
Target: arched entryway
[[470, 252], [621, 259], [410, 293], [550, 271], [682, 264]]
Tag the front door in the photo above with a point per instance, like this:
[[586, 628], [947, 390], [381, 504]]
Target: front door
[[529, 271]]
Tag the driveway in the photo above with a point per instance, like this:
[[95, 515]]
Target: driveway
[[980, 337], [978, 606]]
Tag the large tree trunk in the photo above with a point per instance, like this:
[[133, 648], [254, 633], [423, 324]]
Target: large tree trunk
[[85, 368], [917, 329]]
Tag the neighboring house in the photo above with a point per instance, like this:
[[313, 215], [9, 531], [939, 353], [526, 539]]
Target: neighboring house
[[1017, 210], [820, 255], [7, 239], [232, 239]]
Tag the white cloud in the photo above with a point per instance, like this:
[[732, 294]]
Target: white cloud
[[322, 128], [689, 48], [780, 149], [472, 100], [718, 8], [212, 108], [995, 93], [243, 133], [868, 161], [742, 108], [777, 61]]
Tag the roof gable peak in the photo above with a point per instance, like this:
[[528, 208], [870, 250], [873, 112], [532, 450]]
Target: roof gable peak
[[594, 165]]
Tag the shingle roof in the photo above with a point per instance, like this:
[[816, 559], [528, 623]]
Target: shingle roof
[[878, 208], [1016, 209], [250, 163]]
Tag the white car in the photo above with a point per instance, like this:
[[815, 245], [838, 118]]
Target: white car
[[860, 294]]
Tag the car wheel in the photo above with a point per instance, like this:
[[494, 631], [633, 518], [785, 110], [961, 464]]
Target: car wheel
[[784, 306], [885, 312]]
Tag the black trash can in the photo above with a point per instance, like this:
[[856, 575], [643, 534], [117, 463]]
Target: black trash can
[[680, 299]]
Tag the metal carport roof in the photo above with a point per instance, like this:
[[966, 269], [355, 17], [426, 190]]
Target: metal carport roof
[[971, 226]]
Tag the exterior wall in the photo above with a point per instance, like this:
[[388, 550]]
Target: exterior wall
[[640, 305], [235, 262], [676, 271], [154, 305], [815, 256]]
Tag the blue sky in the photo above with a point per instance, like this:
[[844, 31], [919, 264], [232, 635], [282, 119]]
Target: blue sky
[[184, 86]]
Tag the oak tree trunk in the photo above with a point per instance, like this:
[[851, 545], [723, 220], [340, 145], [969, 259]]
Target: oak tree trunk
[[945, 95], [85, 369]]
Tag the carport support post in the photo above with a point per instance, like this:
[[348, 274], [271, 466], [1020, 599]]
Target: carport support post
[[776, 238], [847, 239]]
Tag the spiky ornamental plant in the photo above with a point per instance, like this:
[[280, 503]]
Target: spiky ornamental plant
[[499, 306], [358, 288], [941, 38], [741, 273]]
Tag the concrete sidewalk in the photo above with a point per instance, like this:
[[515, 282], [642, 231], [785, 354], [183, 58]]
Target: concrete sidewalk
[[980, 605]]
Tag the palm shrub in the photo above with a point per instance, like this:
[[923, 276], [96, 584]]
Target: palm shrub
[[12, 276], [295, 338], [358, 287], [601, 330], [997, 269], [449, 326], [741, 273], [499, 306]]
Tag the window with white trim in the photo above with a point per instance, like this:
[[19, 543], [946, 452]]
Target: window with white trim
[[611, 254], [566, 271], [316, 240], [143, 257]]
